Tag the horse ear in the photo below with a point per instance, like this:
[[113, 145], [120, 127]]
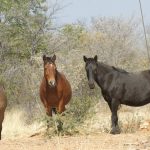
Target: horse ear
[[95, 58], [44, 57], [85, 58], [54, 58]]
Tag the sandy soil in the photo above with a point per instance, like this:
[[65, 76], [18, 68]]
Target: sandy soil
[[101, 141], [17, 136]]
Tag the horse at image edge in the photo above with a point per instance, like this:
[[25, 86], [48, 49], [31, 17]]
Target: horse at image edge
[[118, 86]]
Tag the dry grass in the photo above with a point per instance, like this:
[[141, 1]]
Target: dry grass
[[15, 125], [91, 142], [17, 133], [130, 118]]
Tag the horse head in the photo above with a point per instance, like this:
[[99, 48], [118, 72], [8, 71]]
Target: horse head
[[50, 70], [91, 69]]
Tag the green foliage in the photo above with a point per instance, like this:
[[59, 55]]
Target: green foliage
[[71, 121], [74, 35], [25, 32], [22, 27]]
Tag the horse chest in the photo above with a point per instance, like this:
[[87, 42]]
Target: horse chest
[[53, 96]]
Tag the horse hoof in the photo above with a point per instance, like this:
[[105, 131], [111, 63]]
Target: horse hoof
[[115, 132]]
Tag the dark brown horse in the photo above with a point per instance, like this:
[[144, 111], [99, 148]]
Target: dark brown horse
[[118, 86], [3, 104], [55, 90]]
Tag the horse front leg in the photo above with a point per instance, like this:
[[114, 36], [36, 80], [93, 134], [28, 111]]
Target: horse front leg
[[61, 106], [47, 107], [1, 121], [48, 113], [114, 117]]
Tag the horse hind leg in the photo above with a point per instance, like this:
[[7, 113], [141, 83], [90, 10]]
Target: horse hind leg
[[54, 111]]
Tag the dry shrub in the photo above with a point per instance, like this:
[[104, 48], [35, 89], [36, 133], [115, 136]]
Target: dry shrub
[[15, 124], [115, 43], [72, 120], [130, 118]]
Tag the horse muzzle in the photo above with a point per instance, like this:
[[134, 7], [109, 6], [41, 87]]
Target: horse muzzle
[[52, 83], [91, 85]]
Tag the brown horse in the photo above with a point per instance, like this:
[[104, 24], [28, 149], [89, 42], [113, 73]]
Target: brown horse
[[55, 90], [3, 104]]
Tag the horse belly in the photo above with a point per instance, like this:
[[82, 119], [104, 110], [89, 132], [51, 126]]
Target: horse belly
[[53, 101], [137, 95], [67, 93]]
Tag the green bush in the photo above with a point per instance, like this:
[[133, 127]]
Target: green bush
[[79, 110]]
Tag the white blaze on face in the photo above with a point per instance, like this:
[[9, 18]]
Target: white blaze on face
[[50, 73]]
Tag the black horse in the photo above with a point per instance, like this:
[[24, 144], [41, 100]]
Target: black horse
[[118, 86]]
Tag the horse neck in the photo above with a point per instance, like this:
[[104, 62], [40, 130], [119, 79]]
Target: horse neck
[[57, 76], [102, 71]]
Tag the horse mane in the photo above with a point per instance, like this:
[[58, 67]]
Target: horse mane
[[104, 66], [119, 70], [107, 67]]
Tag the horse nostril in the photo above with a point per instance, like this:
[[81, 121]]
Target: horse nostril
[[52, 83], [92, 86]]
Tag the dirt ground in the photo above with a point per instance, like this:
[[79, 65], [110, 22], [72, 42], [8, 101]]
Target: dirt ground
[[17, 136], [100, 141]]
